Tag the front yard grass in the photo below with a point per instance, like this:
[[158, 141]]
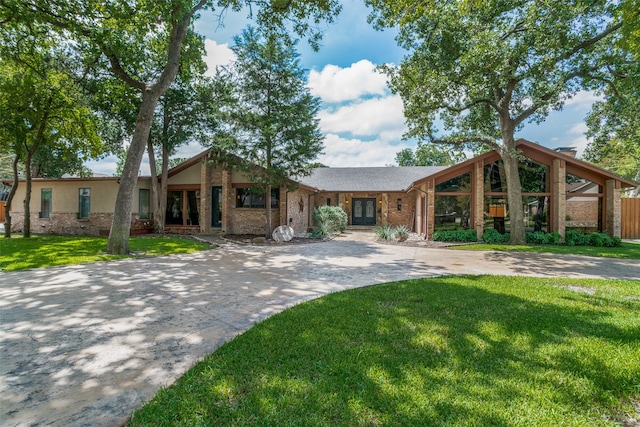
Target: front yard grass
[[626, 250], [454, 351], [18, 253]]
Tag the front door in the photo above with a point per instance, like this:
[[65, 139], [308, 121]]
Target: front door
[[363, 212], [216, 207]]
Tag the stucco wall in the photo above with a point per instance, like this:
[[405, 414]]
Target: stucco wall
[[188, 176], [63, 218]]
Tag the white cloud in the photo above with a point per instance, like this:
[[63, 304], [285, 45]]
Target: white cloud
[[345, 152], [216, 54], [189, 150], [583, 98], [579, 139], [382, 117], [335, 84]]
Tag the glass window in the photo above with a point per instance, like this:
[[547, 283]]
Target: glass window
[[173, 214], [533, 177], [460, 184], [45, 203], [248, 197], [496, 214], [452, 212], [84, 202], [536, 213], [144, 198], [193, 207]]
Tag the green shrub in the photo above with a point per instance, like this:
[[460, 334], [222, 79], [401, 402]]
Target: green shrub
[[328, 220], [553, 238], [459, 235], [385, 232], [320, 231], [401, 233], [541, 238], [536, 238], [491, 235], [576, 238]]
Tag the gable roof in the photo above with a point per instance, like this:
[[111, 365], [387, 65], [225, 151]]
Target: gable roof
[[367, 179], [537, 153]]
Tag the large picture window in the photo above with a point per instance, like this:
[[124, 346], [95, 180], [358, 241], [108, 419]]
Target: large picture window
[[84, 203], [248, 197], [144, 198], [45, 203], [183, 207]]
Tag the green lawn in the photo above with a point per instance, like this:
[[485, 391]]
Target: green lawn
[[458, 351], [627, 250], [18, 253]]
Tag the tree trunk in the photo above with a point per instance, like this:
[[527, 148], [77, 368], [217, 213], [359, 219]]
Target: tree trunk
[[267, 197], [158, 196], [154, 184], [12, 193], [26, 229], [162, 192], [514, 190], [121, 225]]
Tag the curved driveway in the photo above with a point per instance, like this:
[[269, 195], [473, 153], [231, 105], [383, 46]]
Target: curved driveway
[[87, 345]]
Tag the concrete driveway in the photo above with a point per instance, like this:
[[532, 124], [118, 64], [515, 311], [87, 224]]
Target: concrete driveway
[[87, 345]]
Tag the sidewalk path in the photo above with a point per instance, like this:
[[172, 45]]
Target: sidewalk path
[[87, 345]]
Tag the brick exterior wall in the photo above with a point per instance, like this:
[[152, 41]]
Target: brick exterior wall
[[299, 210], [251, 221], [386, 206], [406, 215], [582, 214], [68, 224]]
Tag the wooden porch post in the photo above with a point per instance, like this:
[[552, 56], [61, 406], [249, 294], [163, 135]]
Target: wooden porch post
[[612, 208], [228, 201], [430, 215], [477, 197], [205, 196]]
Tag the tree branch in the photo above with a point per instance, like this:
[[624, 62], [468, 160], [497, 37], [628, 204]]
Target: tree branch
[[588, 43], [464, 140], [468, 106]]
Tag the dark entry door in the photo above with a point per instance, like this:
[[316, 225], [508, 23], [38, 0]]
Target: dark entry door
[[363, 212], [216, 207]]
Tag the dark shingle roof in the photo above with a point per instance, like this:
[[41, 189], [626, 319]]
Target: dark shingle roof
[[369, 179]]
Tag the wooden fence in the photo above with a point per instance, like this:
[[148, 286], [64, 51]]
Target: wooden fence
[[2, 211], [630, 218]]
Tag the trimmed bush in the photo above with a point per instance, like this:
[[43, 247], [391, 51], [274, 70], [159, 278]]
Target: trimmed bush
[[576, 238], [455, 236], [492, 235], [541, 238], [328, 220]]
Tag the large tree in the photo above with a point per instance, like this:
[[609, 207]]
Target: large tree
[[272, 131], [117, 35], [44, 119], [188, 112], [614, 122], [484, 69], [427, 154]]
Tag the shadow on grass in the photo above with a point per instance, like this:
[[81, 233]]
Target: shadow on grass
[[446, 351]]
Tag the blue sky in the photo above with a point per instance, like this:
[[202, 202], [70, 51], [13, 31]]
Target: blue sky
[[362, 121]]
